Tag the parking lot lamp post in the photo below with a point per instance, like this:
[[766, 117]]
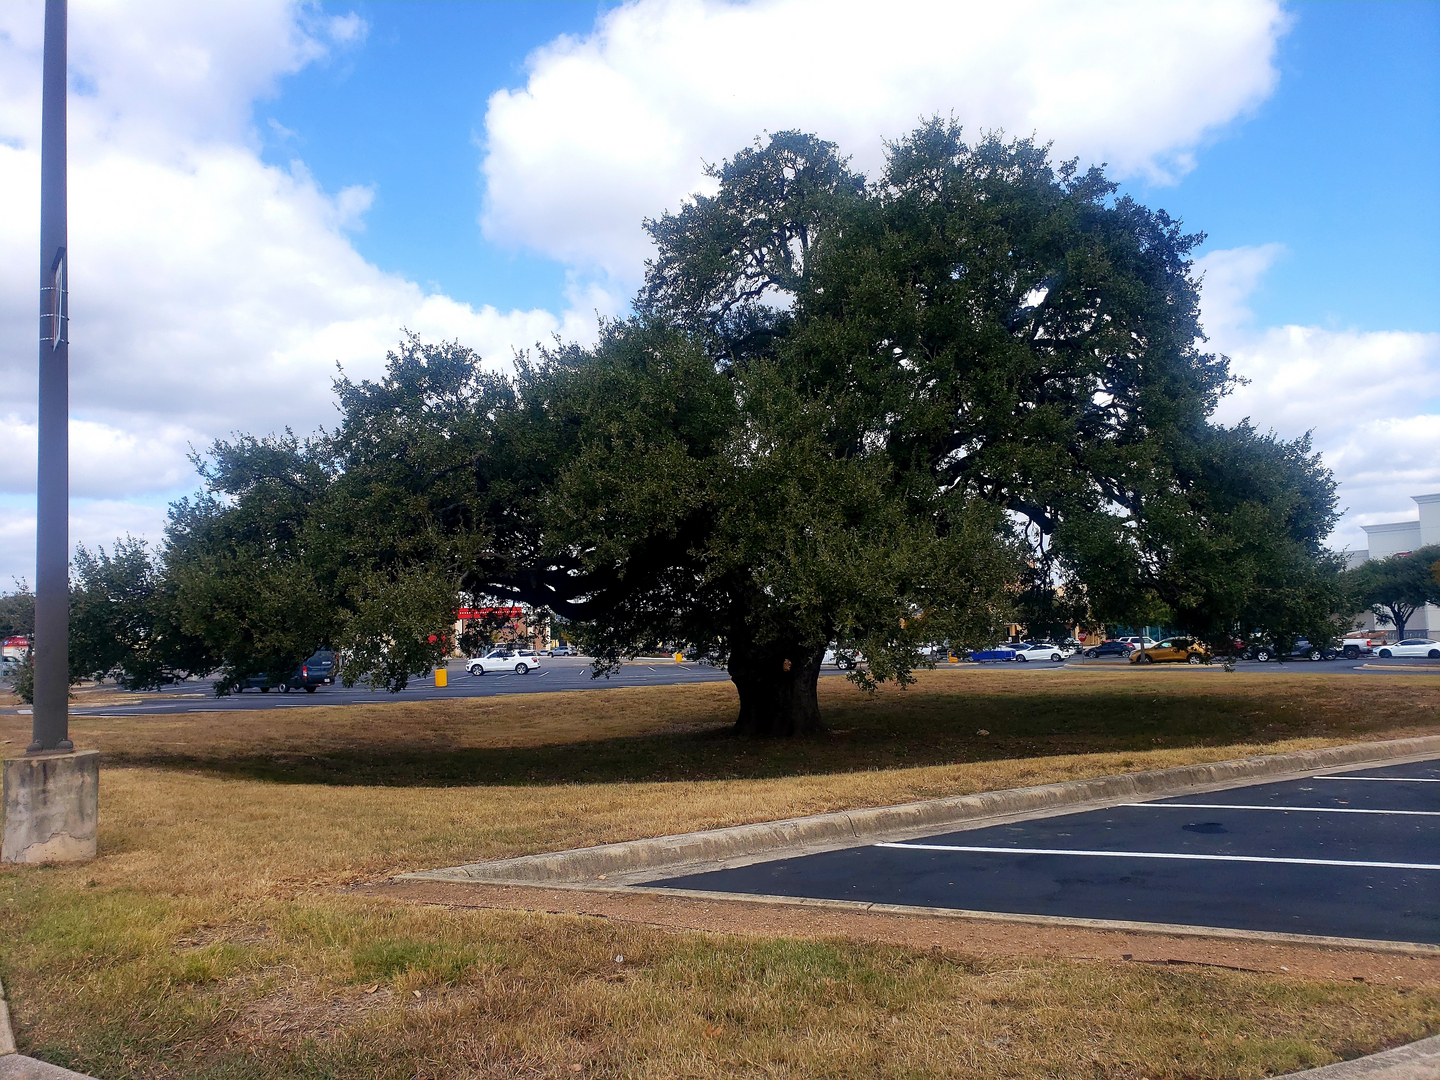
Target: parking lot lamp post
[[51, 722]]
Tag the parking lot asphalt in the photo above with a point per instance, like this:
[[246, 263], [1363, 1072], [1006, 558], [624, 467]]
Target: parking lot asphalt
[[1353, 855], [558, 674], [573, 673]]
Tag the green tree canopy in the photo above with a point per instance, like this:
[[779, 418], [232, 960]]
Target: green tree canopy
[[17, 612], [1396, 587], [124, 621], [871, 413]]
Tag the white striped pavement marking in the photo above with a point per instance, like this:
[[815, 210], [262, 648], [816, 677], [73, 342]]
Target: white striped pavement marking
[[1302, 809], [1165, 855], [1387, 779]]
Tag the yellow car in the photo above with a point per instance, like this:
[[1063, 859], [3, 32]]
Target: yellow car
[[1176, 650]]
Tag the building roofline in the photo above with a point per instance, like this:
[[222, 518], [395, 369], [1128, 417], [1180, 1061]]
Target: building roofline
[[1392, 526], [1426, 499]]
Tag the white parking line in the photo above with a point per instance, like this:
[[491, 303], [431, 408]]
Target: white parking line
[[1387, 779], [1302, 809], [1165, 855]]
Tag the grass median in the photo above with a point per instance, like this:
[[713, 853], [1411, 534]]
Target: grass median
[[214, 936]]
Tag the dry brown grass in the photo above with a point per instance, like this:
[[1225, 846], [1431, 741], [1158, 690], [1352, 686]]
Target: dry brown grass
[[209, 938], [682, 732]]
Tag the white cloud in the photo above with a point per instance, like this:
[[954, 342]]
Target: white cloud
[[210, 292], [93, 522], [1231, 276], [104, 460], [1371, 398], [614, 127]]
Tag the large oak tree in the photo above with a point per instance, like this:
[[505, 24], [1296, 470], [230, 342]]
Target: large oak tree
[[870, 412]]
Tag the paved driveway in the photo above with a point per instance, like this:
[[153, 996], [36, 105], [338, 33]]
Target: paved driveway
[[573, 673], [1353, 854], [562, 673]]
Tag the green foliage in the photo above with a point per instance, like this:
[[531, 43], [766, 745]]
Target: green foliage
[[124, 620], [355, 538], [722, 258], [709, 506], [239, 562], [1006, 331], [1395, 588], [876, 413], [17, 612], [22, 678], [17, 619], [1231, 545]]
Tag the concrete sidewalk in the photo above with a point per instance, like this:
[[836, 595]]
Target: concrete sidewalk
[[1418, 1061]]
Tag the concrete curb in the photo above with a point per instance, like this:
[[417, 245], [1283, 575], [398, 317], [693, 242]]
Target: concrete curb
[[17, 1067], [7, 1034], [849, 828], [1418, 1061]]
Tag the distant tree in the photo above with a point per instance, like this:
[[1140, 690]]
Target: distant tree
[[239, 568], [1231, 546], [124, 621], [1397, 587], [17, 612], [17, 619], [355, 538]]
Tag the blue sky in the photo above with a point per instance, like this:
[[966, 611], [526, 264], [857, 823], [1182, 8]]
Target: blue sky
[[405, 112], [1339, 164], [262, 190]]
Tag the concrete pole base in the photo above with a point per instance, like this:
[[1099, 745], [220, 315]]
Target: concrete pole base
[[51, 807]]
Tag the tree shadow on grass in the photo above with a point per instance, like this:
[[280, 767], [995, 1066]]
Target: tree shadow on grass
[[896, 732]]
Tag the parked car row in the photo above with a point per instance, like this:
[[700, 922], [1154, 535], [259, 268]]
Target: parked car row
[[1301, 650], [1025, 651], [1137, 649]]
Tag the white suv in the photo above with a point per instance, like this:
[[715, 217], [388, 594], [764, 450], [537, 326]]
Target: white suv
[[503, 660], [1137, 641]]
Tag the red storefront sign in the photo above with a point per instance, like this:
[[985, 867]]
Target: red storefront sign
[[466, 613]]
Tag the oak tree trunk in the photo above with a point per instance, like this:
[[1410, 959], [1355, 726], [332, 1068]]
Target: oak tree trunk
[[777, 691]]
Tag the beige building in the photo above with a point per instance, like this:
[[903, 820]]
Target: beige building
[[1400, 538]]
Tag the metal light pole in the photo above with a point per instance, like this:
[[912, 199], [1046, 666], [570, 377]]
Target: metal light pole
[[51, 725]]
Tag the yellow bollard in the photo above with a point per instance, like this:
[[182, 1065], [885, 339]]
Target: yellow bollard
[[442, 676], [679, 657]]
